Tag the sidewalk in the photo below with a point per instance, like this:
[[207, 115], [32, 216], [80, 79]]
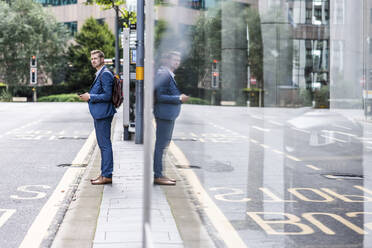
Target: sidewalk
[[120, 219], [111, 215]]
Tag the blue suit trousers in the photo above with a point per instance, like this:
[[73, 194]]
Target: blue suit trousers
[[103, 134], [164, 131]]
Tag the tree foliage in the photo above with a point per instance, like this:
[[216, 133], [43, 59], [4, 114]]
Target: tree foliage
[[26, 29], [92, 36]]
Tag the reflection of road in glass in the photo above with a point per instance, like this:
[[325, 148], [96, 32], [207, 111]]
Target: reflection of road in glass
[[284, 177]]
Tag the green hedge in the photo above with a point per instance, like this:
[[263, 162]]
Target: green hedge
[[60, 98], [195, 100]]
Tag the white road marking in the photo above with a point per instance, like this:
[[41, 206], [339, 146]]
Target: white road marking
[[293, 158], [346, 134], [257, 117], [276, 123], [26, 188], [300, 130], [52, 137], [264, 146], [254, 141], [5, 216], [277, 151], [39, 229], [332, 138], [313, 167], [347, 128], [261, 129], [369, 147], [223, 226]]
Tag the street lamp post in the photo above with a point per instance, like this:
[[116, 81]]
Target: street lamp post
[[117, 58]]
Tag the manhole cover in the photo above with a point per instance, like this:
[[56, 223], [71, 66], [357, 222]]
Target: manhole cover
[[344, 176]]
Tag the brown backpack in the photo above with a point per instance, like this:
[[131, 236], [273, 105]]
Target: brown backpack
[[117, 91]]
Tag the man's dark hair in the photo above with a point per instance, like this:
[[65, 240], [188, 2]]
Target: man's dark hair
[[99, 52]]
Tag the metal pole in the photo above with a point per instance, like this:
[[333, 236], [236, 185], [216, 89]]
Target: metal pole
[[149, 129], [117, 57], [139, 72], [126, 82]]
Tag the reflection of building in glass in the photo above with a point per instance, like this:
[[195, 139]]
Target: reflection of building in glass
[[349, 52], [296, 50]]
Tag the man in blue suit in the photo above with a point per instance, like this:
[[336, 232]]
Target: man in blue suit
[[102, 110], [168, 100]]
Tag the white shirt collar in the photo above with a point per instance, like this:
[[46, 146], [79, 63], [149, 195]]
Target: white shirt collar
[[97, 73], [167, 69]]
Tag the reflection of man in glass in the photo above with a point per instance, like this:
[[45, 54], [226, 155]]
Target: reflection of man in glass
[[167, 106]]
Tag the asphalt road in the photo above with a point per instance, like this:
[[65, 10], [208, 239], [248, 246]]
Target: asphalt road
[[37, 140], [284, 177]]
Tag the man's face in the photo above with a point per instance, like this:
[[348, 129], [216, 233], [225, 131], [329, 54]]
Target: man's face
[[96, 60], [174, 62]]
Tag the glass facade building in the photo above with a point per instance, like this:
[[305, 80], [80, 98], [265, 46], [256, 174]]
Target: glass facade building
[[278, 132]]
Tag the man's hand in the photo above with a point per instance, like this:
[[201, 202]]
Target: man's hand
[[184, 98], [85, 97]]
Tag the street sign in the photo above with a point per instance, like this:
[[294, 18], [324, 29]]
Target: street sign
[[253, 80]]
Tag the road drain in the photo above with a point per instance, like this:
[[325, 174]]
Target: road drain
[[72, 165], [181, 166], [344, 176]]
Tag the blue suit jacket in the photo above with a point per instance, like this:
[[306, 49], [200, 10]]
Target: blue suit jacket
[[100, 103], [167, 96]]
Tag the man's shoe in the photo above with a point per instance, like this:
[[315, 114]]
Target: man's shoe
[[167, 178], [163, 181], [102, 180], [95, 179]]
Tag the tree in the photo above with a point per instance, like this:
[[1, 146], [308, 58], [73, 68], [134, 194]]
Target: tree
[[92, 36], [26, 29]]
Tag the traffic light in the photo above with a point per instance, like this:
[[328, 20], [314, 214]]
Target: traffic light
[[33, 76], [215, 75], [33, 61]]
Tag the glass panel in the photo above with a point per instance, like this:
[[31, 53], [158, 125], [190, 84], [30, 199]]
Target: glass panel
[[277, 130]]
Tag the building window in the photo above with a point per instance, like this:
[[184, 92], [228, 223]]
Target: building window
[[339, 9], [193, 4], [56, 2], [72, 26], [101, 21]]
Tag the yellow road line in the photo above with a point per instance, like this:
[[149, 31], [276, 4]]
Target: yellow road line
[[223, 226]]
